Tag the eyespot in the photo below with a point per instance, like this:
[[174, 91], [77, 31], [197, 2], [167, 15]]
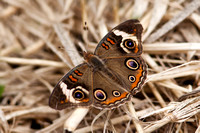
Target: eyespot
[[78, 95], [116, 93], [131, 78], [62, 99], [100, 95], [130, 44], [131, 64]]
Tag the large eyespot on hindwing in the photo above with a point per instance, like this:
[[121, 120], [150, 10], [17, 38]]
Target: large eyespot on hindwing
[[99, 94], [131, 64]]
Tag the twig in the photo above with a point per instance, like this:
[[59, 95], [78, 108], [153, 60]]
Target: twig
[[190, 8]]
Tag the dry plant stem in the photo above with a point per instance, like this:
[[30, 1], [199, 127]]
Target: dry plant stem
[[101, 7], [114, 121], [140, 6], [193, 36], [171, 61], [96, 117], [92, 29], [158, 111], [181, 72], [79, 113], [108, 121], [37, 62], [68, 44], [116, 11], [159, 10], [4, 127], [84, 13], [41, 109], [57, 123], [75, 118], [145, 20], [157, 94], [34, 47], [6, 51], [58, 53], [157, 125], [102, 28], [46, 83], [172, 85], [190, 8], [152, 86], [196, 19], [67, 5], [178, 71], [135, 118], [198, 129], [171, 47], [10, 10], [180, 113]]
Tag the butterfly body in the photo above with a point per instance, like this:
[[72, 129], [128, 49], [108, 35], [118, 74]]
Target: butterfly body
[[108, 77]]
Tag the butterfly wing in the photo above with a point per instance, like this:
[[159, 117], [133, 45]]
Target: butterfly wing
[[107, 92], [124, 77], [120, 51], [124, 39], [73, 89], [132, 71]]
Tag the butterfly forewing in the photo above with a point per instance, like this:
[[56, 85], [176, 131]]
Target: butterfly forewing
[[112, 45], [74, 89]]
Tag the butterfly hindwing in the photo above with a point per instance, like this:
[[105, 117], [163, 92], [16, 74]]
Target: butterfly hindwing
[[123, 77], [107, 92], [130, 70]]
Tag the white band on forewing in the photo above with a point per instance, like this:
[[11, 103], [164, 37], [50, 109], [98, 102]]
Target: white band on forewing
[[124, 37], [68, 92]]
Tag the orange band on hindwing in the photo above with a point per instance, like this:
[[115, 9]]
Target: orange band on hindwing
[[85, 100], [138, 79], [115, 99]]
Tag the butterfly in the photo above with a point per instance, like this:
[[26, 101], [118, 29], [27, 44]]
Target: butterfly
[[109, 77]]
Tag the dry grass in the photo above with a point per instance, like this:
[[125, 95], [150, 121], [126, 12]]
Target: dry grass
[[40, 41]]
